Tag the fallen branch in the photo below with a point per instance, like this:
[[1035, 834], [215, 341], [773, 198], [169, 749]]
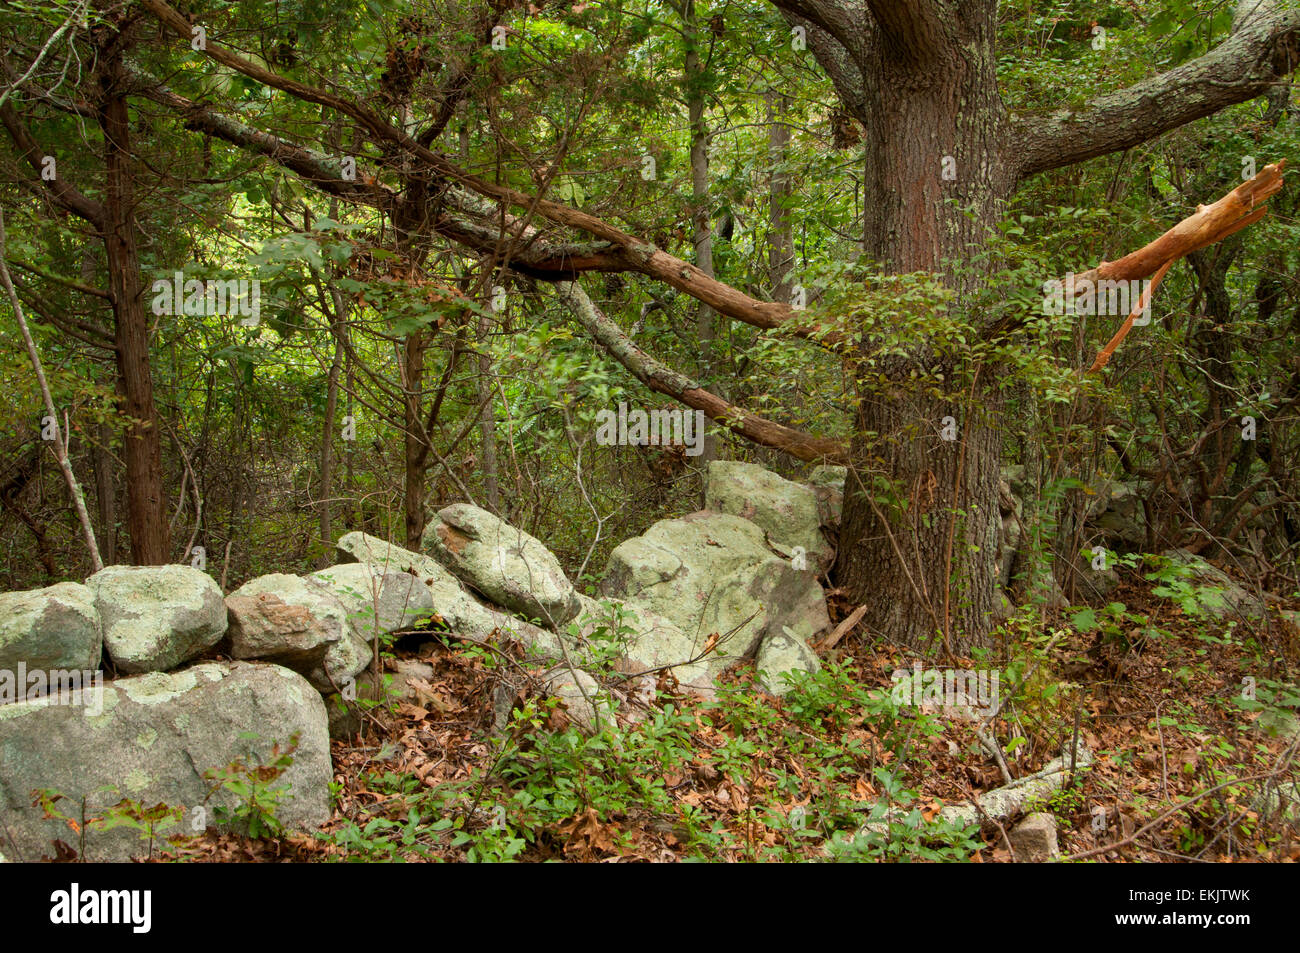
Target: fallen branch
[[1163, 816], [843, 629], [627, 252]]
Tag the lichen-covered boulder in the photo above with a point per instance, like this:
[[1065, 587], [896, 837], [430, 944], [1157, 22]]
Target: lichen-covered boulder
[[714, 574], [1034, 839], [156, 617], [403, 681], [149, 739], [455, 608], [357, 547], [647, 640], [827, 483], [586, 702], [1121, 520], [784, 654], [1217, 594], [299, 623], [1009, 536], [377, 602], [505, 564], [52, 628], [788, 512]]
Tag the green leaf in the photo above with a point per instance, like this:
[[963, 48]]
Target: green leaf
[[1085, 620]]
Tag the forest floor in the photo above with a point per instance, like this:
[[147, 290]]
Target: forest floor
[[1157, 696]]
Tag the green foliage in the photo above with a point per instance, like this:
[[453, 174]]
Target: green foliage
[[1177, 582], [148, 822], [257, 788], [551, 791], [904, 834], [1115, 623]]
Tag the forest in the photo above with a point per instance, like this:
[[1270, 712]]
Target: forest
[[650, 430]]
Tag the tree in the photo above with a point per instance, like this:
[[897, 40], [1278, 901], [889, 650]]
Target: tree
[[114, 220], [943, 154]]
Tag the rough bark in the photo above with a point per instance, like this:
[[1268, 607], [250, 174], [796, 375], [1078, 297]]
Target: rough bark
[[142, 449], [918, 537]]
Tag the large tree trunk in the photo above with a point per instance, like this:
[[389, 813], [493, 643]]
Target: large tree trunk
[[922, 554], [142, 449]]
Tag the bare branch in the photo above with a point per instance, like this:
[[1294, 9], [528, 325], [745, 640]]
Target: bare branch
[[60, 440]]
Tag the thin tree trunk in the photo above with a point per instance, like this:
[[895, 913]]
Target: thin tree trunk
[[488, 420], [105, 487], [486, 393], [413, 390], [707, 320], [60, 444], [106, 492], [488, 417], [780, 236], [337, 318], [349, 451], [327, 438]]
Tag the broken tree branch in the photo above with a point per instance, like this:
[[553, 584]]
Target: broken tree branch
[[663, 379], [1144, 299], [1212, 223], [1240, 208]]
